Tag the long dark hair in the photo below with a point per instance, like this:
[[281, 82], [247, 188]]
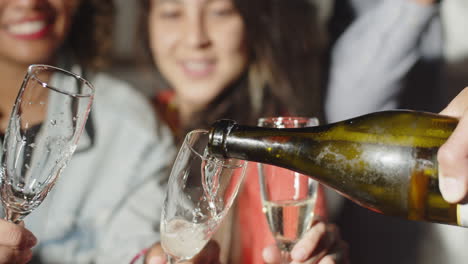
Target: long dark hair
[[90, 37], [283, 76]]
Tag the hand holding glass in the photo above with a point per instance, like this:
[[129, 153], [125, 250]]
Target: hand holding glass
[[46, 122], [201, 190], [288, 197]]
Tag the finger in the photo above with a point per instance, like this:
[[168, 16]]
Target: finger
[[339, 254], [271, 255], [13, 256], [327, 260], [453, 164], [7, 255], [309, 243], [25, 256], [156, 255], [16, 236], [452, 156], [327, 242], [458, 105], [157, 260]]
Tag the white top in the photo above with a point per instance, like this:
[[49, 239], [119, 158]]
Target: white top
[[106, 206]]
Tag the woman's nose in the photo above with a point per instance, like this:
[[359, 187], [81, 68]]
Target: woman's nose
[[196, 33]]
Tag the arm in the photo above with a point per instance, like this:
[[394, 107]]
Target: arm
[[372, 57]]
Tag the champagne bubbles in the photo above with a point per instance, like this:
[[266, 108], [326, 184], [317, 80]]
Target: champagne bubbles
[[197, 215]]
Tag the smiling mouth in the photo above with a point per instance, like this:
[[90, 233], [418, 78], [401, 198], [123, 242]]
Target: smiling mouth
[[29, 29], [198, 69]]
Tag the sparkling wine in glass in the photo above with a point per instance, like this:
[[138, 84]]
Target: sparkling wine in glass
[[201, 190], [46, 122], [288, 197]]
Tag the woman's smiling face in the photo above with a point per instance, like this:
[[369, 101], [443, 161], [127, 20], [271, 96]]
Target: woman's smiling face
[[198, 45], [31, 31]]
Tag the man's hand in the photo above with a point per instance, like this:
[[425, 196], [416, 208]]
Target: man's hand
[[453, 155], [321, 244], [15, 243], [208, 255]]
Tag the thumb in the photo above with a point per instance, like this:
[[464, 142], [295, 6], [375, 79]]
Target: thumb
[[157, 260], [458, 105], [156, 255], [453, 154], [453, 164], [271, 255]]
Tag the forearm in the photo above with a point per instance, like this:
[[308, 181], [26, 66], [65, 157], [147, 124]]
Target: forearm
[[371, 59]]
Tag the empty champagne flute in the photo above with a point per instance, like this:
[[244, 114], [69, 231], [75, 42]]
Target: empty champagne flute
[[46, 122], [201, 190], [288, 197]]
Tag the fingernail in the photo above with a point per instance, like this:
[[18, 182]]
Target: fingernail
[[156, 260], [451, 188], [299, 254]]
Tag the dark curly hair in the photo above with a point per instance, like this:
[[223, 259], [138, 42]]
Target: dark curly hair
[[90, 37], [283, 76]]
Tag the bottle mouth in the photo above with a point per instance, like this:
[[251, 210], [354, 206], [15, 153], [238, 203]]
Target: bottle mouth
[[219, 131], [287, 121], [196, 142]]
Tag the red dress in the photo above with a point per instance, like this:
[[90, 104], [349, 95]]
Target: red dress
[[254, 226], [255, 234]]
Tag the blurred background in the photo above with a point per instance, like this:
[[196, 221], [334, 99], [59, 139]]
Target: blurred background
[[373, 238], [126, 65]]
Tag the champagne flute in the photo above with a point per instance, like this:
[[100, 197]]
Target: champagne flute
[[46, 122], [201, 190], [288, 197]]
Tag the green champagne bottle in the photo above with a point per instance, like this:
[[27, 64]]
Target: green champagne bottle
[[384, 161]]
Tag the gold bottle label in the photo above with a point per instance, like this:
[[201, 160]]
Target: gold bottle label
[[462, 215]]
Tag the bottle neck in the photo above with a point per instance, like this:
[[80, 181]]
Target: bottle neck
[[249, 143], [259, 144]]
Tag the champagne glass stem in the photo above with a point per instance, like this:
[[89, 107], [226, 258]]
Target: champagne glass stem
[[285, 256], [13, 216]]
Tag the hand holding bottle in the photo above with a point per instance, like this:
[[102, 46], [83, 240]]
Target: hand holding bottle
[[15, 243], [385, 161], [453, 155], [321, 244]]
